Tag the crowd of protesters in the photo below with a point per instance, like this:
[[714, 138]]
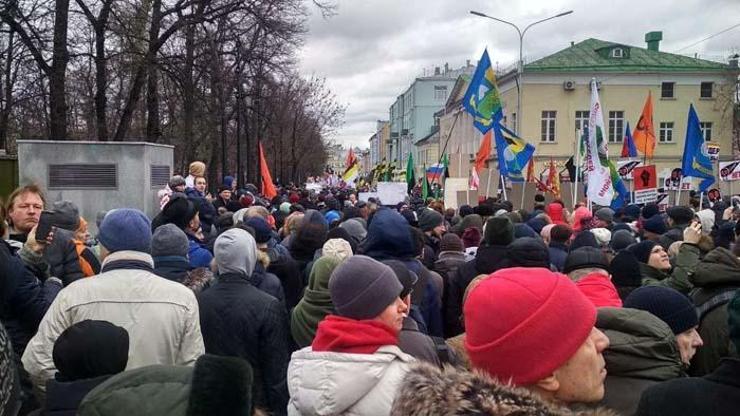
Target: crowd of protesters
[[318, 303]]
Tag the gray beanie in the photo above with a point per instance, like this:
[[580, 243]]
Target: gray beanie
[[66, 215], [169, 240], [361, 288]]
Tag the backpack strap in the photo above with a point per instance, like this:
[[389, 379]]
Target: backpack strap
[[715, 302]]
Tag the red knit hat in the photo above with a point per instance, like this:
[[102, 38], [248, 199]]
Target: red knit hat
[[524, 323]]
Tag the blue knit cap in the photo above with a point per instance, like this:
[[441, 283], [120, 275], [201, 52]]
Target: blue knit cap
[[126, 229]]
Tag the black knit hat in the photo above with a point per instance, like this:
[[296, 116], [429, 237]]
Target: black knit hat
[[655, 225], [642, 250], [585, 257], [528, 252], [91, 349], [625, 270], [499, 231], [680, 214], [429, 219], [649, 210], [670, 305], [407, 278], [584, 239]]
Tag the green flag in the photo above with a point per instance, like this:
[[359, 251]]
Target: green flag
[[410, 174], [424, 185]]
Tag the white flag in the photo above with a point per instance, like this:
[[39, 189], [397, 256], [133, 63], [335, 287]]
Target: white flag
[[600, 187]]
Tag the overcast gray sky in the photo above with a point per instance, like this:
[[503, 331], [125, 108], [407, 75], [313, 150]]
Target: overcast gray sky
[[372, 50]]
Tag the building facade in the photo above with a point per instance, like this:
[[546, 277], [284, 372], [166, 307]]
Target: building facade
[[556, 99], [379, 142], [411, 116]]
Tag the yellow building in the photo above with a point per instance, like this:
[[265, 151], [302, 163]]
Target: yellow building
[[427, 150], [556, 99]]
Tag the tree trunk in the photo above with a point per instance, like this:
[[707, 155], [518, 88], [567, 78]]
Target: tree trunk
[[153, 128], [57, 77], [8, 90], [101, 75]]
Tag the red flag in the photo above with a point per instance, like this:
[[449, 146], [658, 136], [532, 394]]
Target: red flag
[[268, 188], [484, 151], [351, 159], [530, 170], [644, 134]]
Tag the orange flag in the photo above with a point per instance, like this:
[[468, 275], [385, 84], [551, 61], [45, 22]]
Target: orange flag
[[268, 188], [553, 180], [483, 151], [644, 134]]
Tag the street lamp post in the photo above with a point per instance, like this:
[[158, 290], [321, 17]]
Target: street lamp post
[[520, 64]]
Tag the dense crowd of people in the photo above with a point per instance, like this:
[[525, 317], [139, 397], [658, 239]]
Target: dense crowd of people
[[318, 303]]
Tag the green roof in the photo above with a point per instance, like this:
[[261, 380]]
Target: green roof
[[593, 55]]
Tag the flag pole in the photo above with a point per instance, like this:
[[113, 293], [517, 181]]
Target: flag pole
[[578, 170], [701, 200], [524, 187], [503, 184], [488, 184], [680, 185]]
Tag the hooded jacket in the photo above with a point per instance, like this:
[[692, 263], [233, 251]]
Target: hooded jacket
[[555, 212], [160, 316], [389, 238], [642, 352], [240, 320], [427, 390], [315, 304], [214, 386], [718, 272], [333, 383]]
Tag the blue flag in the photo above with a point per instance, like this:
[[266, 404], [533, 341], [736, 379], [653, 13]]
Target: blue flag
[[628, 146], [696, 161], [482, 99], [512, 151]]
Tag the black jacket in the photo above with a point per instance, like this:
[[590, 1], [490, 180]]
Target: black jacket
[[487, 260], [716, 394], [239, 320], [267, 282], [24, 299], [63, 398]]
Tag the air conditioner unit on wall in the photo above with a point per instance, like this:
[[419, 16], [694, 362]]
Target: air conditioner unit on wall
[[569, 85]]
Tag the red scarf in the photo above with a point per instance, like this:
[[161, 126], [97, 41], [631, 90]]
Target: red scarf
[[338, 334]]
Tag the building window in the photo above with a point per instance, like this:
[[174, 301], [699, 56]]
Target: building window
[[581, 121], [548, 126], [666, 132], [616, 126], [666, 90], [513, 123], [617, 53], [440, 92], [706, 89], [706, 131]]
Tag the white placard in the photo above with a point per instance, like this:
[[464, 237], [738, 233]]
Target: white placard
[[729, 171], [391, 193], [625, 168], [313, 186], [452, 185], [646, 196], [365, 196]]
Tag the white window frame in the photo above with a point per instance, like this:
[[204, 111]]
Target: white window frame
[[582, 117], [440, 92], [548, 126], [616, 126], [665, 134], [706, 130], [617, 53]]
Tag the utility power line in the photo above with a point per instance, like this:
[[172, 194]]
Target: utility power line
[[709, 37]]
